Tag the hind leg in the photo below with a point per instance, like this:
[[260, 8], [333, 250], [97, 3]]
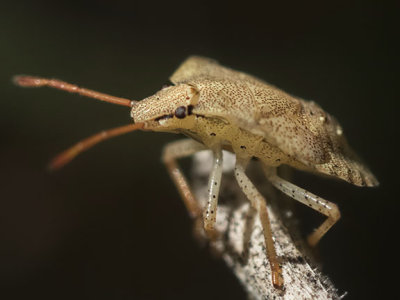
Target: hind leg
[[319, 204]]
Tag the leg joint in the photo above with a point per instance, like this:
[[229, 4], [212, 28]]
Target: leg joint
[[334, 212]]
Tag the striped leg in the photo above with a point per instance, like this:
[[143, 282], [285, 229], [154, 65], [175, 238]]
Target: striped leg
[[325, 207]]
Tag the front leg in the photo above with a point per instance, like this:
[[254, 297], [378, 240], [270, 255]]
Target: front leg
[[210, 213], [184, 148], [171, 153]]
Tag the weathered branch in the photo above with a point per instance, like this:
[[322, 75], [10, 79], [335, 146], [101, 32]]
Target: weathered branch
[[242, 242]]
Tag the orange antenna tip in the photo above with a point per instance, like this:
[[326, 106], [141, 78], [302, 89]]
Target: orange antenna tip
[[63, 158], [28, 81]]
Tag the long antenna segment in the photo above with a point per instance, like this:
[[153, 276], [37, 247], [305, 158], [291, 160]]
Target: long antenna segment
[[32, 81]]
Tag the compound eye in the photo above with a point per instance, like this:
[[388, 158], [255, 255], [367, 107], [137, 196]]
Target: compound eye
[[180, 112]]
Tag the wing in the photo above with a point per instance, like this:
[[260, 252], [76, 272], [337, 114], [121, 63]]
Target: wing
[[292, 124], [305, 131]]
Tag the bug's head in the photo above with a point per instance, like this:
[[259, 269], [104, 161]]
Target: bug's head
[[167, 110]]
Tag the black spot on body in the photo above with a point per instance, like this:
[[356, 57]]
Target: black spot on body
[[212, 134], [243, 147]]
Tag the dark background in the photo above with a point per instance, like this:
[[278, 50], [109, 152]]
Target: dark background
[[111, 225]]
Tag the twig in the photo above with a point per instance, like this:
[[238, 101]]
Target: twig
[[242, 242]]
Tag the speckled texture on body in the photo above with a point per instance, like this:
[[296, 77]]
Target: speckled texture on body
[[301, 129]]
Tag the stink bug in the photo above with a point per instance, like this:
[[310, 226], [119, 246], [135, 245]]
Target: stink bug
[[222, 109]]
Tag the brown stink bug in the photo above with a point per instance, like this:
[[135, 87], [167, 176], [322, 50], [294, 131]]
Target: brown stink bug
[[222, 109]]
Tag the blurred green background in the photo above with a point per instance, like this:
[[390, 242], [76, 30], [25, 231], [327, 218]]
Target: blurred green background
[[110, 225]]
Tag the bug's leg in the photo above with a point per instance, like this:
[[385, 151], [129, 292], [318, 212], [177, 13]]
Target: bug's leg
[[171, 153], [259, 203], [325, 207], [210, 213]]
